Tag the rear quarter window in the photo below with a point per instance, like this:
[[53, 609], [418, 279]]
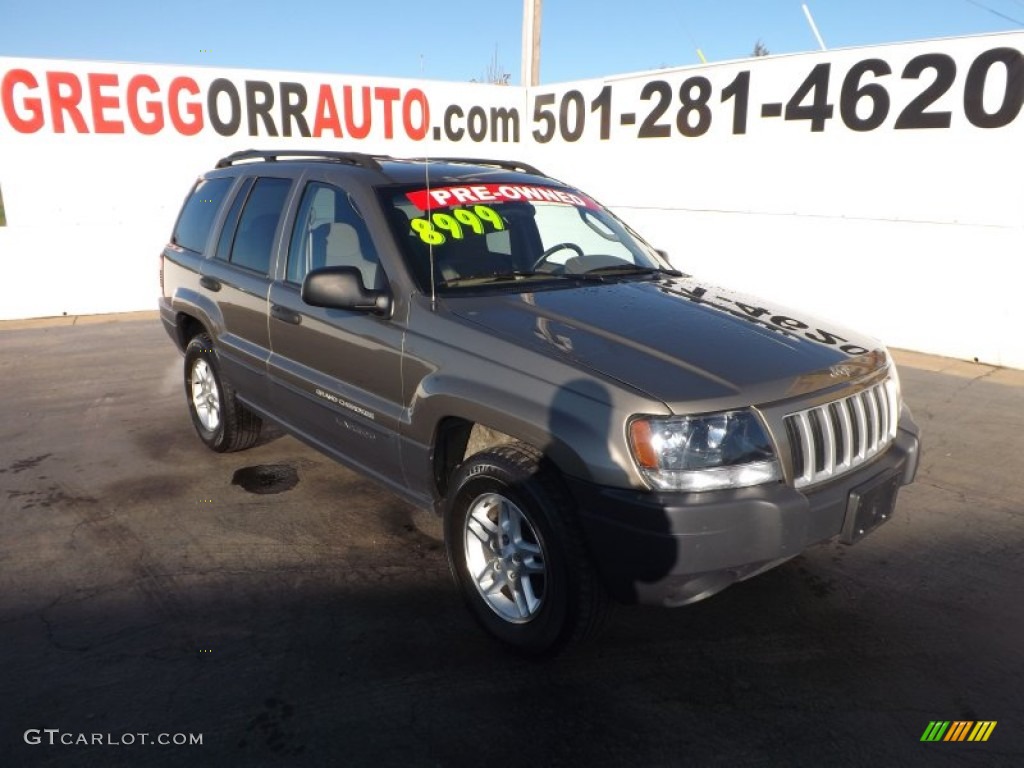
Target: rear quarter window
[[197, 215]]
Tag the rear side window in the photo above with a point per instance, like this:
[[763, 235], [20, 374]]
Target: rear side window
[[254, 238], [227, 232], [196, 219]]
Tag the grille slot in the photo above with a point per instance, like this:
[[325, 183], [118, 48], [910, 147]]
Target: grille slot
[[832, 439]]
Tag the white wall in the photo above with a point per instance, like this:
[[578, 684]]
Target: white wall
[[913, 235], [91, 211]]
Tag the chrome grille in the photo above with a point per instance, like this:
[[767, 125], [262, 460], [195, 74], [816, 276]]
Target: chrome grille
[[831, 439]]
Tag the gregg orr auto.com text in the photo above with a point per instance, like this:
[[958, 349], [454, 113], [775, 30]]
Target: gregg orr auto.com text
[[110, 103]]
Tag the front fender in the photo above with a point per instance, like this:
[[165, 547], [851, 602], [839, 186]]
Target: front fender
[[573, 425]]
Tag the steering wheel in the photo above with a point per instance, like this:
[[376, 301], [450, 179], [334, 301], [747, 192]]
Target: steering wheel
[[555, 249]]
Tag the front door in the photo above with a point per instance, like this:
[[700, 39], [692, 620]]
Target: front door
[[336, 374]]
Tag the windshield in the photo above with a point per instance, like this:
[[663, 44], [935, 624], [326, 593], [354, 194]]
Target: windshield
[[499, 234]]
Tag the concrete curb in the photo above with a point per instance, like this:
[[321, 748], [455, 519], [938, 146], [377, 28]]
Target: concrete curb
[[64, 320]]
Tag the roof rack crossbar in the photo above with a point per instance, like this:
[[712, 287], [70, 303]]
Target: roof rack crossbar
[[352, 158], [509, 165]]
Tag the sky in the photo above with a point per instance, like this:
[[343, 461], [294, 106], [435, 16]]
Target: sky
[[460, 39]]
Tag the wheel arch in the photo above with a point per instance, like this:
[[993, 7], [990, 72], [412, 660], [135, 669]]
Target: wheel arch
[[187, 327], [573, 604], [194, 313], [456, 438]]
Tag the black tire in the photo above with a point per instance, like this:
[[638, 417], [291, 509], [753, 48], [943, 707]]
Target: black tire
[[221, 422], [569, 604]]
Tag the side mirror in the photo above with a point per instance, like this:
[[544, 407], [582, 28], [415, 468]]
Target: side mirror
[[342, 288], [663, 254]]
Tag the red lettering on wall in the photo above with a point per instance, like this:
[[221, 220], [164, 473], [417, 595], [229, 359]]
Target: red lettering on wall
[[192, 109], [33, 105], [65, 91], [415, 96], [389, 96], [153, 109], [326, 113], [358, 131], [100, 103]]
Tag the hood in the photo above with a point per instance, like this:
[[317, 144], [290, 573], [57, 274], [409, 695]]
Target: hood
[[677, 340]]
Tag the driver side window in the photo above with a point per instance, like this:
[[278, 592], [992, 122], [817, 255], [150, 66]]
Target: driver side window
[[330, 232], [561, 223]]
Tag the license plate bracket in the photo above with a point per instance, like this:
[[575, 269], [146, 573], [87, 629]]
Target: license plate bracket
[[868, 506]]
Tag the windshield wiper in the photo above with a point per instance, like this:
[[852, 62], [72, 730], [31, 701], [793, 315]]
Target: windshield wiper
[[630, 269], [597, 275], [499, 277]]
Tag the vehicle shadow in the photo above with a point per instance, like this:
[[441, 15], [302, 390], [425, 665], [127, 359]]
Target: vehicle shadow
[[379, 664], [626, 556]]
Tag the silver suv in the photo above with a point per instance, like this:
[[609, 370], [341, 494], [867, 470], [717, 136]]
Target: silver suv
[[494, 345]]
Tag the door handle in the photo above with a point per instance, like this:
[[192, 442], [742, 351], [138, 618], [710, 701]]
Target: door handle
[[285, 315], [209, 282]]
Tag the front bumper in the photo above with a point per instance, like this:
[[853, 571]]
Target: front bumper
[[676, 548]]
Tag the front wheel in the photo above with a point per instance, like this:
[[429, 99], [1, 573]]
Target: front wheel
[[516, 553], [222, 422]]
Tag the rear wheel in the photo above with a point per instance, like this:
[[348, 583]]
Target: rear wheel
[[222, 422], [516, 553]]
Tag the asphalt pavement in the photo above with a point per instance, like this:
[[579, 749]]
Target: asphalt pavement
[[150, 586]]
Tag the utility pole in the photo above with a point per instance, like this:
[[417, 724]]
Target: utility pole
[[530, 73]]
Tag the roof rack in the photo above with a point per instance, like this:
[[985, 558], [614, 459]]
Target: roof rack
[[509, 165], [270, 156]]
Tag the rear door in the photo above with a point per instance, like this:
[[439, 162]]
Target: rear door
[[238, 277], [336, 375]]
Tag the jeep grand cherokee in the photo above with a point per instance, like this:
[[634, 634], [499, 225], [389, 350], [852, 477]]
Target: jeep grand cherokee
[[495, 345]]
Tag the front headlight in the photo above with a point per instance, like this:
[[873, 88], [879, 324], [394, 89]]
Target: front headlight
[[703, 453]]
